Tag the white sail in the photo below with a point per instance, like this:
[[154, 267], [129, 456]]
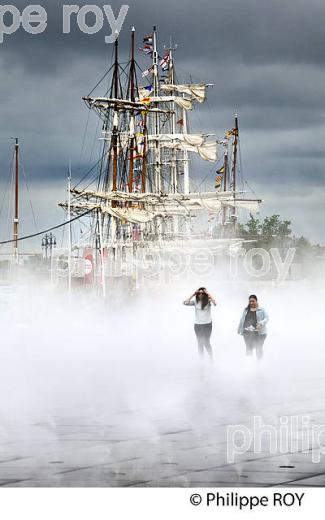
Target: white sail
[[190, 143], [196, 91], [185, 103], [250, 205], [191, 139]]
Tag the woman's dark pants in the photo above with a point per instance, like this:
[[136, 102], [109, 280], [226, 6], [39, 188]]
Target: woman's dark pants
[[203, 334], [254, 341]]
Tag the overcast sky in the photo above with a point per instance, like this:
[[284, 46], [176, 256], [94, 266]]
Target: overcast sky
[[264, 57]]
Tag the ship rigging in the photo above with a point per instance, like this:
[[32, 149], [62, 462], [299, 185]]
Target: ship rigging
[[142, 197]]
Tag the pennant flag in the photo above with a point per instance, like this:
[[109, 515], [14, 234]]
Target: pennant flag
[[148, 39], [231, 133], [147, 48], [218, 181], [146, 73], [219, 177], [149, 88], [164, 63], [146, 101], [180, 122]]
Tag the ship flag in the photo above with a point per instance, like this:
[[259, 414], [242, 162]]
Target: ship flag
[[231, 133], [164, 62], [219, 177], [146, 73], [148, 39], [147, 48]]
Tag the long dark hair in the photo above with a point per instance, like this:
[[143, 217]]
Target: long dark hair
[[254, 297], [205, 299]]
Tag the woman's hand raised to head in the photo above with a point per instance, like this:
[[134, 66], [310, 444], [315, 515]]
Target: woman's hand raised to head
[[211, 299], [186, 302]]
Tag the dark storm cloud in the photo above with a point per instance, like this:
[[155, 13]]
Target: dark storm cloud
[[264, 57], [245, 31]]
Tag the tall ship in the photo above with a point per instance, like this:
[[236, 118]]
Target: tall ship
[[139, 201]]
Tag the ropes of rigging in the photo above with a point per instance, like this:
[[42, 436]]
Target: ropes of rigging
[[47, 230]]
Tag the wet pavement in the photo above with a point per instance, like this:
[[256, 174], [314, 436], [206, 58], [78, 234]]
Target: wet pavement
[[157, 448]]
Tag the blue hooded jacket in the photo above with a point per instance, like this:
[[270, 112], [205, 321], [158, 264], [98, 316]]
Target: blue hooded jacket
[[261, 318]]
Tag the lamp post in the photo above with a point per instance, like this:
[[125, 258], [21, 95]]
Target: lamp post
[[48, 244]]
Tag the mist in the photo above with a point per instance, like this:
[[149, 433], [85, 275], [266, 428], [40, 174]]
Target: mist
[[114, 393]]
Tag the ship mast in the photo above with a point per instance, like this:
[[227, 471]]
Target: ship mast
[[16, 203], [234, 168], [153, 155], [225, 182], [171, 80], [156, 91], [132, 123], [155, 64], [144, 160], [115, 118]]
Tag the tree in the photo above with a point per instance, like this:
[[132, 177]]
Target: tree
[[271, 231], [252, 228], [273, 227]]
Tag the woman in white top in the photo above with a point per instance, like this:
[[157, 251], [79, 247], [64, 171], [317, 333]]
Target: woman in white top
[[203, 320]]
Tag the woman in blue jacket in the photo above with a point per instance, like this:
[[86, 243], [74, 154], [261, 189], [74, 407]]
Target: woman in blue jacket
[[252, 327]]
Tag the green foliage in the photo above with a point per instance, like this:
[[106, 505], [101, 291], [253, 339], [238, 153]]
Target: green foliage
[[273, 227], [270, 231]]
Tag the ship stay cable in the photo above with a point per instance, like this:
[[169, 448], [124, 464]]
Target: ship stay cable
[[3, 242], [29, 193], [5, 192]]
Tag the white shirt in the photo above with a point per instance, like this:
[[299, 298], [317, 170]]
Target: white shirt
[[202, 316]]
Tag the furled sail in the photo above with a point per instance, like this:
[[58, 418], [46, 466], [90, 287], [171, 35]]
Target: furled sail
[[196, 143], [196, 91], [182, 102], [250, 205], [154, 205]]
